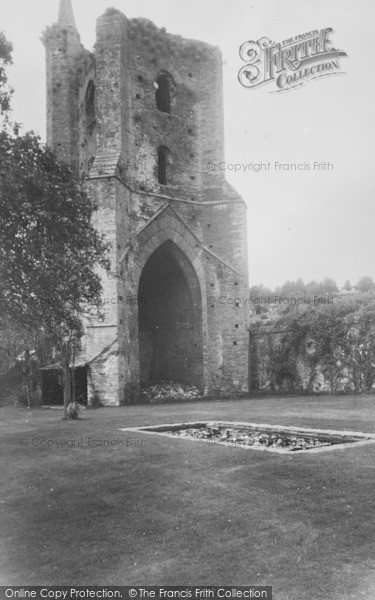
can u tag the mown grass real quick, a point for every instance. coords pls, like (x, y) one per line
(142, 510)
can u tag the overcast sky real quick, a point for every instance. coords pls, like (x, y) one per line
(306, 224)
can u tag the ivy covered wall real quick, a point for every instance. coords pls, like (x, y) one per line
(319, 349)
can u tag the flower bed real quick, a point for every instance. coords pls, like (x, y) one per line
(262, 437)
(256, 438)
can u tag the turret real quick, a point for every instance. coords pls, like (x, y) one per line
(66, 16)
(63, 52)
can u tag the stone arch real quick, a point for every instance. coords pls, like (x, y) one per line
(172, 318)
(163, 228)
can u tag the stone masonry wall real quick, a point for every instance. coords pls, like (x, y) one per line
(196, 210)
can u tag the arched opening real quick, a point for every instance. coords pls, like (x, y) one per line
(170, 319)
(163, 165)
(164, 92)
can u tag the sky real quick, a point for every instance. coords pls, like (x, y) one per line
(310, 224)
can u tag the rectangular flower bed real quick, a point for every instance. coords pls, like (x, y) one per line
(260, 437)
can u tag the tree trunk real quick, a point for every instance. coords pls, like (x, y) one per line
(27, 371)
(67, 387)
(72, 374)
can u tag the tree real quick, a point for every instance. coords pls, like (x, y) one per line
(22, 352)
(49, 250)
(5, 60)
(260, 290)
(347, 287)
(323, 289)
(313, 288)
(292, 289)
(329, 287)
(260, 298)
(365, 284)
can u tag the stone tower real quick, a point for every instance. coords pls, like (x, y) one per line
(141, 118)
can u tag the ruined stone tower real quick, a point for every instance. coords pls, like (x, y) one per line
(141, 118)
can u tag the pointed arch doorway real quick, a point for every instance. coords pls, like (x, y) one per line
(170, 319)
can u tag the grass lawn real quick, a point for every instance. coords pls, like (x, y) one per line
(151, 510)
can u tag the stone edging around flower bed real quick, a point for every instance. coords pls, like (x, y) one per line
(361, 438)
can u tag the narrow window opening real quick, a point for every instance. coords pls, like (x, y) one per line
(163, 165)
(163, 94)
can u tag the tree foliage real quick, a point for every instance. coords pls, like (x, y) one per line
(22, 352)
(291, 289)
(365, 284)
(298, 289)
(5, 60)
(49, 250)
(49, 247)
